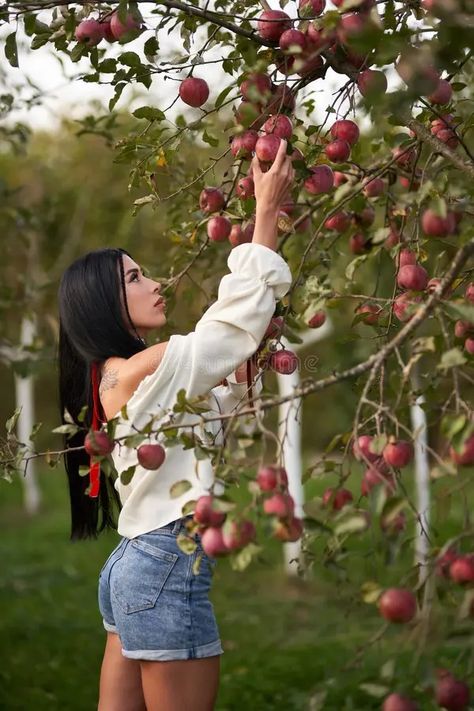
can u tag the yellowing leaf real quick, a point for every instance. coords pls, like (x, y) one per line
(160, 159)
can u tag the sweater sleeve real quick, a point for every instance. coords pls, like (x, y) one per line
(235, 394)
(232, 328)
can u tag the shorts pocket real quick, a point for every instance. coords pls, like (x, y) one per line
(140, 576)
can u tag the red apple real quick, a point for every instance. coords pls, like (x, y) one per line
(126, 30)
(361, 449)
(249, 115)
(434, 225)
(338, 499)
(469, 293)
(398, 453)
(281, 505)
(340, 178)
(272, 23)
(358, 243)
(442, 94)
(218, 228)
(89, 32)
(338, 151)
(339, 222)
(399, 702)
(267, 478)
(151, 456)
(469, 346)
(451, 694)
(282, 96)
(371, 313)
(311, 8)
(374, 476)
(443, 563)
(350, 26)
(283, 361)
(279, 125)
(372, 83)
(365, 217)
(97, 443)
(205, 514)
(290, 530)
(257, 88)
(267, 147)
(245, 188)
(412, 276)
(212, 540)
(466, 456)
(403, 303)
(107, 30)
(238, 533)
(274, 328)
(243, 144)
(345, 130)
(291, 40)
(309, 62)
(194, 91)
(321, 180)
(461, 570)
(397, 605)
(404, 156)
(317, 319)
(406, 257)
(374, 188)
(462, 328)
(211, 200)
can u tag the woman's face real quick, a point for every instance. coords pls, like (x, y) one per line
(142, 296)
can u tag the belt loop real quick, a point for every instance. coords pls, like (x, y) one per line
(177, 525)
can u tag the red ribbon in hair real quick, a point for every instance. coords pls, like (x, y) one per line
(94, 467)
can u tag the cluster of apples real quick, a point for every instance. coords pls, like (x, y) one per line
(91, 31)
(279, 504)
(396, 454)
(464, 330)
(451, 694)
(98, 443)
(456, 567)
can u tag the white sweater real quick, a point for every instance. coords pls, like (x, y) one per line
(228, 333)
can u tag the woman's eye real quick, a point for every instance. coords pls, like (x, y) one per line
(133, 277)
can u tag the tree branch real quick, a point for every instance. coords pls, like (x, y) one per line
(424, 135)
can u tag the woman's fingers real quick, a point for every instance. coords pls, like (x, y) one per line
(280, 156)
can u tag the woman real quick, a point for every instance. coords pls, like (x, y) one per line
(163, 649)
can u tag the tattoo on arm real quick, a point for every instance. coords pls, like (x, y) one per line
(109, 379)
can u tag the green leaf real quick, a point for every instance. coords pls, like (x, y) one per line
(150, 113)
(207, 138)
(118, 91)
(223, 95)
(66, 429)
(188, 507)
(375, 690)
(355, 264)
(40, 40)
(11, 51)
(452, 424)
(186, 543)
(244, 557)
(179, 488)
(378, 443)
(459, 310)
(107, 66)
(151, 48)
(451, 359)
(11, 422)
(84, 470)
(355, 523)
(130, 59)
(127, 475)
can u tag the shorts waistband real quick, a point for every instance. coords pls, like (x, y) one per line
(175, 526)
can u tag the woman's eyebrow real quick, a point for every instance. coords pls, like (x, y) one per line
(135, 269)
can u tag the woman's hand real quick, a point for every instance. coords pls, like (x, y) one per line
(272, 187)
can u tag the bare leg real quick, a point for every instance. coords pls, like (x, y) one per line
(187, 685)
(120, 680)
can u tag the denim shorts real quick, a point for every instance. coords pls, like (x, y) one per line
(150, 596)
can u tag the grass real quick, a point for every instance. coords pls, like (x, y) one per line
(286, 640)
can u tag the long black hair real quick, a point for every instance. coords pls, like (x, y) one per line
(91, 328)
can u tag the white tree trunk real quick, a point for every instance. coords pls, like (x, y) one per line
(422, 481)
(24, 394)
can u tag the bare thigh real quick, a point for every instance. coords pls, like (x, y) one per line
(120, 680)
(184, 685)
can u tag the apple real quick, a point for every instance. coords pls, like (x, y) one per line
(345, 130)
(97, 443)
(283, 361)
(272, 23)
(451, 694)
(408, 183)
(194, 91)
(449, 137)
(392, 525)
(338, 151)
(340, 178)
(398, 453)
(375, 475)
(374, 187)
(107, 30)
(406, 257)
(290, 530)
(212, 541)
(127, 30)
(245, 188)
(205, 514)
(404, 156)
(399, 702)
(469, 293)
(309, 62)
(403, 303)
(350, 26)
(321, 180)
(279, 504)
(237, 533)
(371, 313)
(243, 144)
(211, 200)
(393, 238)
(218, 228)
(397, 605)
(338, 499)
(461, 570)
(151, 456)
(311, 8)
(442, 94)
(462, 328)
(317, 319)
(443, 563)
(274, 328)
(257, 87)
(89, 32)
(365, 217)
(266, 147)
(249, 115)
(339, 222)
(358, 243)
(372, 83)
(466, 456)
(469, 346)
(279, 125)
(412, 276)
(267, 478)
(434, 225)
(361, 449)
(291, 40)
